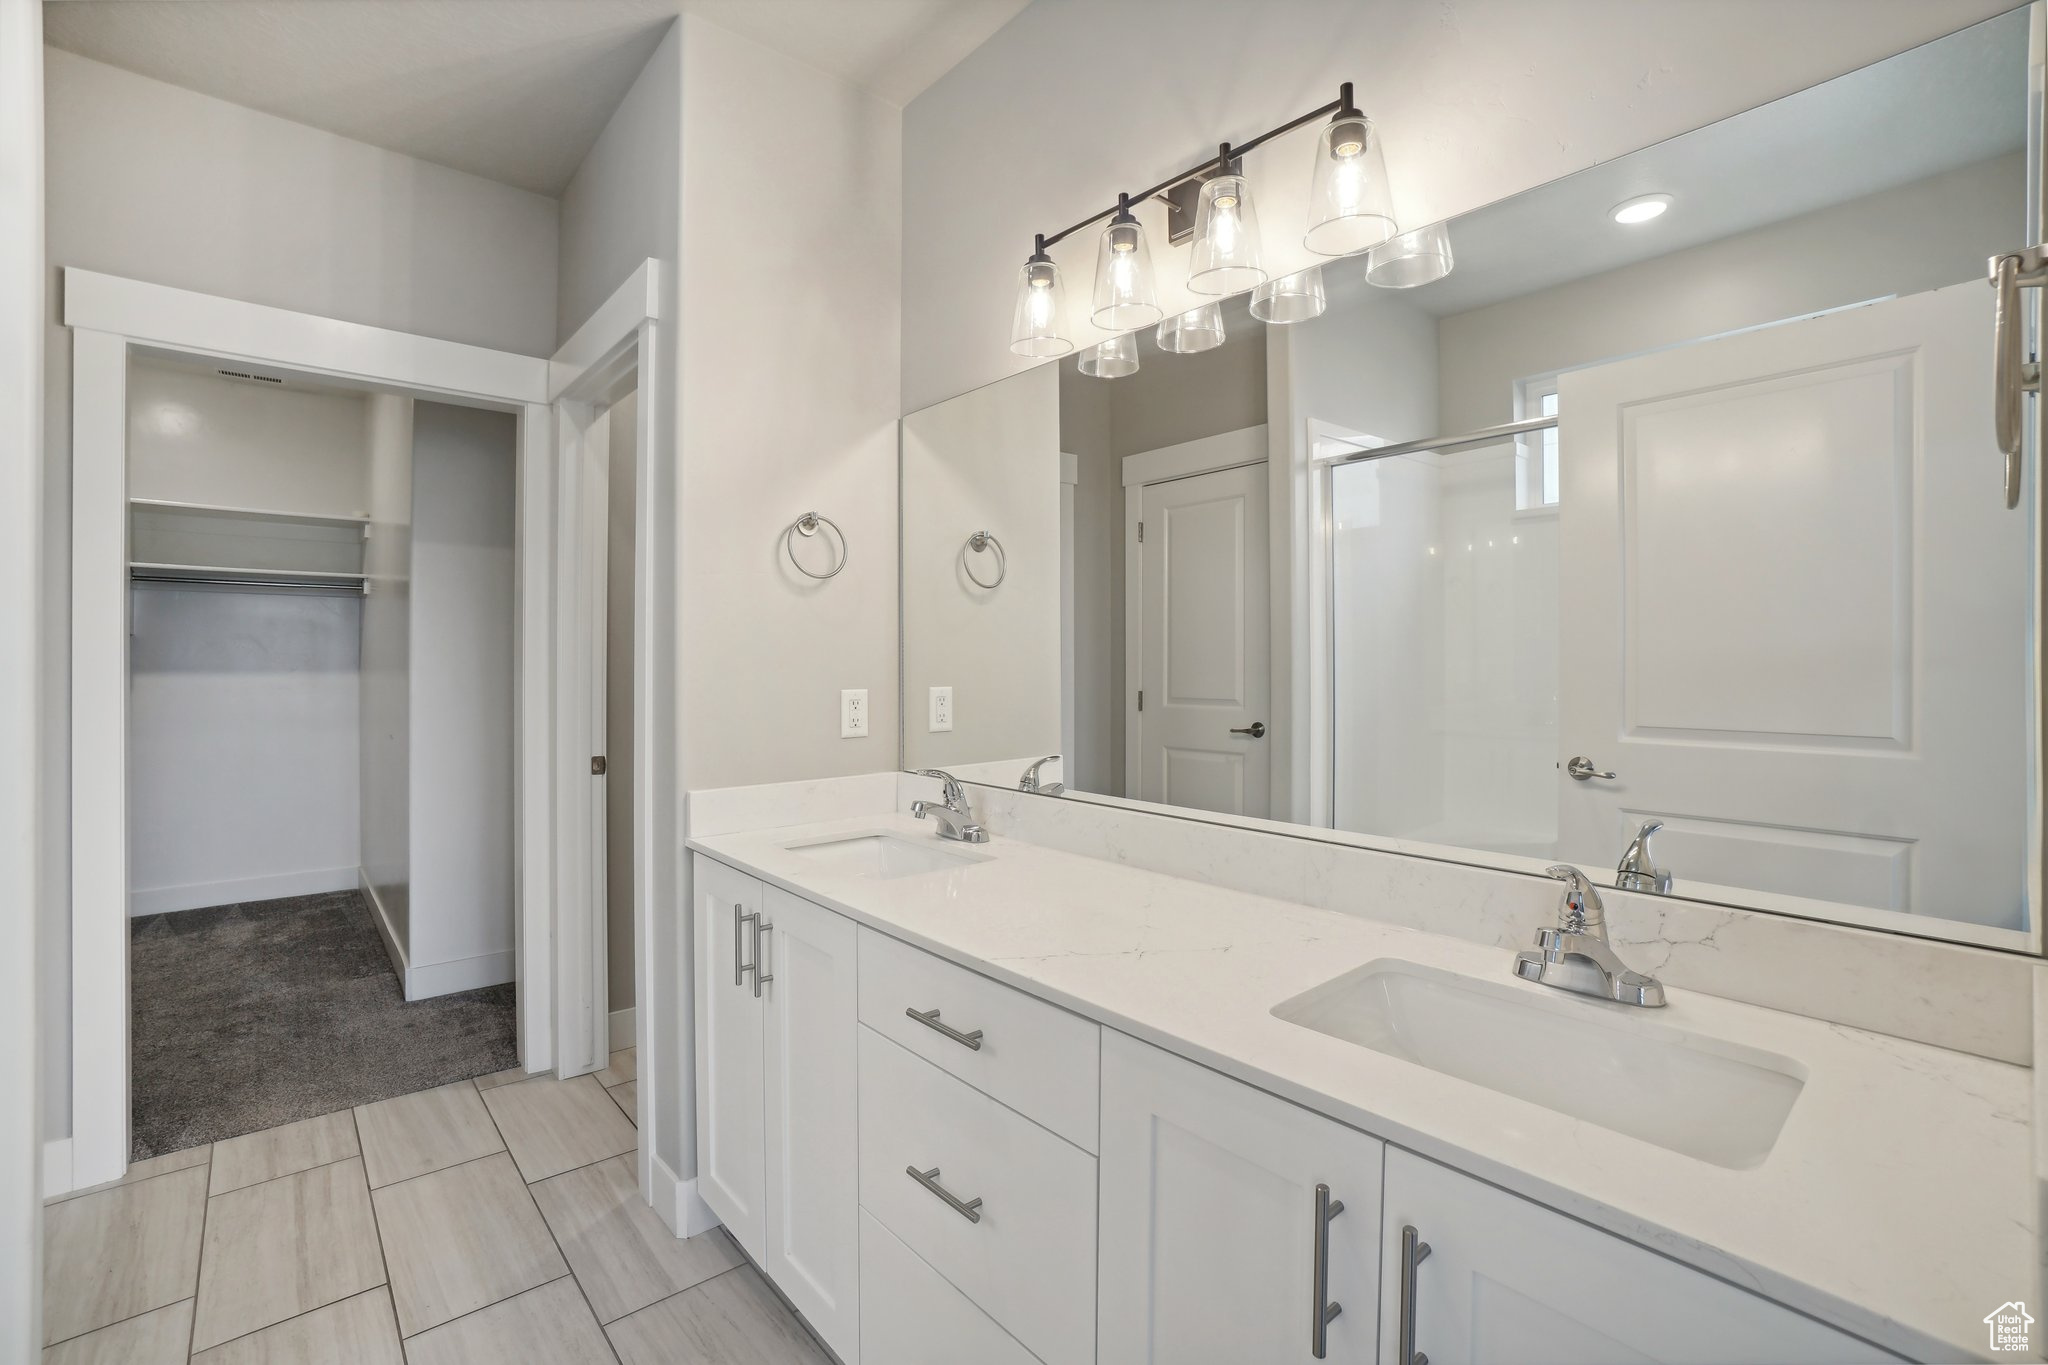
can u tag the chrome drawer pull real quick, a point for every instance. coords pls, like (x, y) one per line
(761, 978)
(740, 965)
(1414, 1251)
(930, 1019)
(1322, 1310)
(970, 1210)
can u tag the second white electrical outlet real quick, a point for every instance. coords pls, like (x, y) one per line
(853, 712)
(941, 709)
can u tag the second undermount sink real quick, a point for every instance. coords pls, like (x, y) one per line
(1717, 1101)
(880, 856)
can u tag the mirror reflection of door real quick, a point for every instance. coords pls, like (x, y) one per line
(1828, 701)
(1200, 730)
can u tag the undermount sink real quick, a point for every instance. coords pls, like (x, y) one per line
(880, 856)
(1699, 1096)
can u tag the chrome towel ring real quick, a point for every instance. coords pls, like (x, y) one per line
(807, 526)
(978, 542)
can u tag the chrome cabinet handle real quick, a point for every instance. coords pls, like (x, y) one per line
(1414, 1251)
(2011, 374)
(968, 1209)
(1580, 768)
(1322, 1311)
(1257, 729)
(740, 966)
(930, 1019)
(761, 978)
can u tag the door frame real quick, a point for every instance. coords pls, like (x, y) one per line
(110, 318)
(1207, 455)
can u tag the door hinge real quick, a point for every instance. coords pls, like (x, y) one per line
(1141, 533)
(597, 765)
(1141, 699)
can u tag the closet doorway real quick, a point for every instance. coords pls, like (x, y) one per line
(259, 618)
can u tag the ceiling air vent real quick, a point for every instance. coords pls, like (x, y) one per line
(241, 374)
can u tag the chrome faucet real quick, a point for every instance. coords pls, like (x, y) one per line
(1638, 870)
(1030, 783)
(954, 816)
(1576, 956)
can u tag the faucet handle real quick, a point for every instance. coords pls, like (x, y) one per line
(1638, 870)
(1029, 782)
(1580, 912)
(951, 793)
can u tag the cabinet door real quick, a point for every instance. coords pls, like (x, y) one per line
(1509, 1280)
(807, 960)
(1209, 1219)
(731, 1121)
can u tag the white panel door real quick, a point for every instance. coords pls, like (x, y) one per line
(1508, 1280)
(1208, 1225)
(1794, 613)
(1203, 612)
(732, 1134)
(807, 967)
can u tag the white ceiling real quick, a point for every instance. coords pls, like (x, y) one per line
(513, 90)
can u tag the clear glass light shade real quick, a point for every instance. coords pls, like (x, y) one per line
(1035, 327)
(1124, 293)
(1113, 359)
(1226, 257)
(1349, 205)
(1418, 257)
(1293, 298)
(1198, 329)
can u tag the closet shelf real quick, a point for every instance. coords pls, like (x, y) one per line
(256, 514)
(199, 575)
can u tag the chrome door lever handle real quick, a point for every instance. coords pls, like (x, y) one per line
(1257, 729)
(1581, 769)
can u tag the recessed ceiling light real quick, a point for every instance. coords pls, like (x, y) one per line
(1641, 209)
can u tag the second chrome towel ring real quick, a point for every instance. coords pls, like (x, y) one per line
(807, 526)
(979, 542)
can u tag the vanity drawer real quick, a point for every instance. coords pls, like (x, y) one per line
(1037, 1058)
(1027, 1256)
(909, 1315)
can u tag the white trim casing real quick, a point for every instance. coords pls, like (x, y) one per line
(678, 1203)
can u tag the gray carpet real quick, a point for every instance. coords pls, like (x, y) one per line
(248, 1016)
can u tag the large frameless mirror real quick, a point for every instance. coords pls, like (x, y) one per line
(1650, 520)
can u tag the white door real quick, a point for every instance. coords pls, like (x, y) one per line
(732, 1132)
(1209, 1220)
(1202, 711)
(813, 1135)
(1508, 1280)
(1794, 613)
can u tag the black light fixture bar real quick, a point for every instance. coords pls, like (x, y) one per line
(1225, 154)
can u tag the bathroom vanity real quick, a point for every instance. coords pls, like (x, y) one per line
(1004, 1103)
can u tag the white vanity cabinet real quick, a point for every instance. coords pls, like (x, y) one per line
(1507, 1279)
(1213, 1250)
(778, 1120)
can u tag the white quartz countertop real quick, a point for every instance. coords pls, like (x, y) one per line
(1897, 1203)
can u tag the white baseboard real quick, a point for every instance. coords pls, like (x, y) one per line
(622, 1028)
(382, 919)
(56, 1167)
(680, 1206)
(427, 979)
(158, 900)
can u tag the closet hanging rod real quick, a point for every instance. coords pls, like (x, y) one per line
(353, 588)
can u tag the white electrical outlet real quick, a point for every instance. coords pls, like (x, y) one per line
(853, 713)
(941, 709)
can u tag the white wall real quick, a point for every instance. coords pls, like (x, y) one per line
(463, 482)
(385, 687)
(987, 460)
(1097, 761)
(242, 768)
(158, 183)
(1478, 99)
(194, 436)
(21, 311)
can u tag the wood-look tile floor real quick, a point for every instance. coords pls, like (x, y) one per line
(490, 1222)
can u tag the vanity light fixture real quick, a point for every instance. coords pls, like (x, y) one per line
(1041, 308)
(1349, 206)
(1198, 329)
(1350, 213)
(1413, 258)
(1292, 298)
(1124, 294)
(1640, 209)
(1113, 359)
